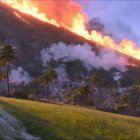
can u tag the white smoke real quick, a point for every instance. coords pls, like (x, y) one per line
(62, 75)
(106, 58)
(19, 75)
(117, 76)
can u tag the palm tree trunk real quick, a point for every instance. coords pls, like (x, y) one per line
(85, 99)
(73, 99)
(41, 94)
(52, 90)
(7, 76)
(47, 94)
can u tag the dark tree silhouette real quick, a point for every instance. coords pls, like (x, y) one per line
(7, 54)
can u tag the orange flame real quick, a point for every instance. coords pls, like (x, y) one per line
(72, 18)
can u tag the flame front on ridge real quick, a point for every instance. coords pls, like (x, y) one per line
(69, 15)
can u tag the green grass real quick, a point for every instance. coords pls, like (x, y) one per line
(1, 137)
(51, 121)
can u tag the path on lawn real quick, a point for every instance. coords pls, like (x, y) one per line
(11, 128)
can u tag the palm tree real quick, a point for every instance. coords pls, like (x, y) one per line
(52, 74)
(2, 76)
(45, 79)
(96, 84)
(48, 78)
(96, 81)
(84, 91)
(7, 54)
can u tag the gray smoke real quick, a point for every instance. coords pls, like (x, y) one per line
(106, 58)
(62, 75)
(19, 75)
(117, 29)
(95, 24)
(120, 30)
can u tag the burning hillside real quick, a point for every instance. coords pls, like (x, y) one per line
(30, 35)
(72, 18)
(38, 43)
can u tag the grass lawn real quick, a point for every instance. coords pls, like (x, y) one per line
(1, 138)
(51, 121)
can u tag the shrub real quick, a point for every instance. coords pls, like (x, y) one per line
(18, 94)
(120, 107)
(90, 102)
(32, 97)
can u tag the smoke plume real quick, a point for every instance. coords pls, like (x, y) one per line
(19, 75)
(62, 75)
(119, 30)
(95, 24)
(106, 58)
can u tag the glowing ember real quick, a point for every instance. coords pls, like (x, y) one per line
(13, 81)
(72, 18)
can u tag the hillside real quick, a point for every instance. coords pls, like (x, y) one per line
(52, 121)
(30, 35)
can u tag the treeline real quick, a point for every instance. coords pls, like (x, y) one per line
(97, 90)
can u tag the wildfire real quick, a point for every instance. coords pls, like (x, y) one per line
(13, 81)
(69, 15)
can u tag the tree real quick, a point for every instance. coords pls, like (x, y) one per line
(34, 87)
(7, 54)
(76, 98)
(53, 75)
(84, 91)
(45, 79)
(96, 81)
(48, 78)
(131, 98)
(96, 85)
(2, 76)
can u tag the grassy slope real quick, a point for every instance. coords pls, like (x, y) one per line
(51, 121)
(1, 138)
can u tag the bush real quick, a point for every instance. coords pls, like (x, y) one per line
(120, 107)
(32, 97)
(18, 94)
(90, 102)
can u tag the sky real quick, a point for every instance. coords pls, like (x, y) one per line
(120, 17)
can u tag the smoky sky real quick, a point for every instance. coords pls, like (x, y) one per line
(119, 17)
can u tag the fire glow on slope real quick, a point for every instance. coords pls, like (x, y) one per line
(69, 15)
